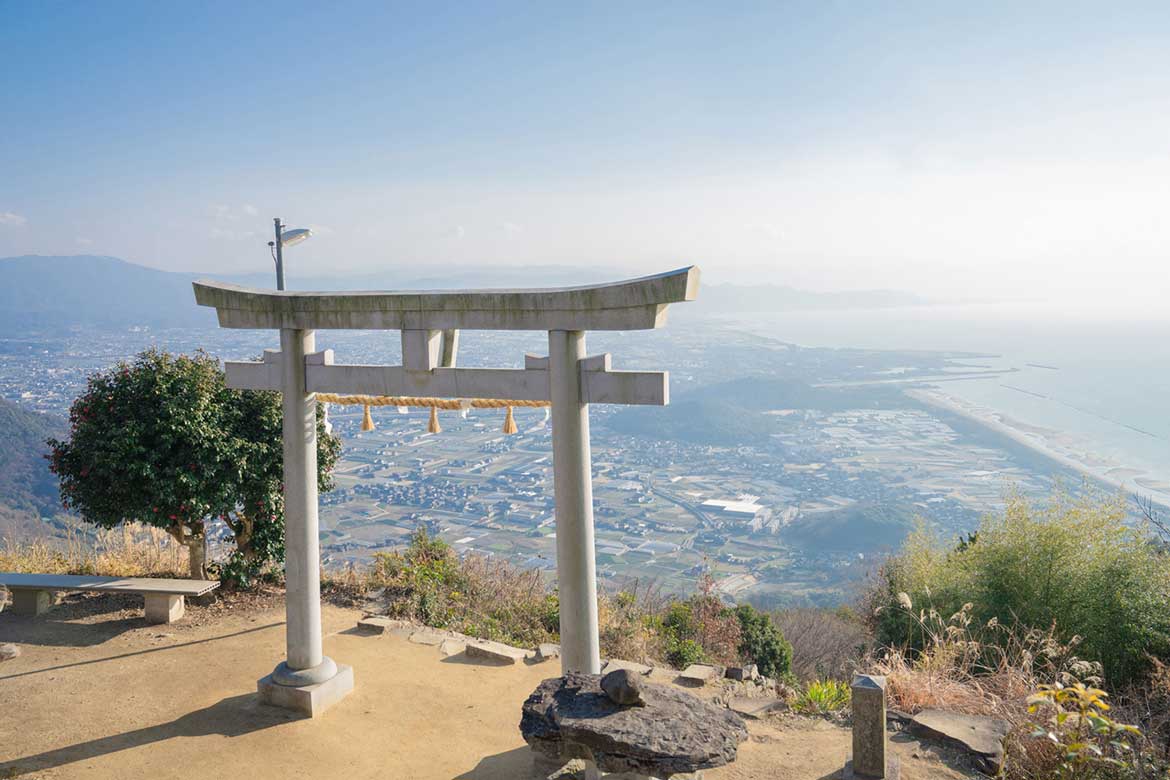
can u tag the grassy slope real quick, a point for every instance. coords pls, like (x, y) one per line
(27, 487)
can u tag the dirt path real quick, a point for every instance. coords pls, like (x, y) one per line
(102, 695)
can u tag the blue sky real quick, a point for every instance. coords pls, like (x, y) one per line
(953, 149)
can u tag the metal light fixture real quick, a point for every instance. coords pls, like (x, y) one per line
(285, 238)
(295, 236)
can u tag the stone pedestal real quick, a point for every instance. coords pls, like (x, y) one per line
(164, 608)
(870, 760)
(310, 700)
(31, 602)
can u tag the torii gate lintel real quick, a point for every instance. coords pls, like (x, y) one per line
(429, 322)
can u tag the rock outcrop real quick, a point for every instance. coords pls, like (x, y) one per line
(674, 733)
(980, 736)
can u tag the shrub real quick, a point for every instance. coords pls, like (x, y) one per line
(1000, 670)
(762, 643)
(700, 629)
(1088, 742)
(822, 697)
(678, 631)
(629, 621)
(681, 653)
(1071, 564)
(476, 595)
(162, 441)
(976, 668)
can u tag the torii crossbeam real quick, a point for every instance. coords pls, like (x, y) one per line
(430, 322)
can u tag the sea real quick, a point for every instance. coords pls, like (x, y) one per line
(1100, 378)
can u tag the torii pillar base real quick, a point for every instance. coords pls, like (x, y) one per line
(308, 700)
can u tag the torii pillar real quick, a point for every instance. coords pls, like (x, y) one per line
(309, 681)
(573, 485)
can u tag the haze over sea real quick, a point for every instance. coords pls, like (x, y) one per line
(1099, 383)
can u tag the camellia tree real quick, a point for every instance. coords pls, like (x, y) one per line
(164, 441)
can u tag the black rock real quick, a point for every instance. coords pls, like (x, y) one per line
(623, 687)
(675, 732)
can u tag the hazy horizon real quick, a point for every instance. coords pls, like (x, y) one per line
(991, 153)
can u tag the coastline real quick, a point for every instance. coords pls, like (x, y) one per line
(1035, 439)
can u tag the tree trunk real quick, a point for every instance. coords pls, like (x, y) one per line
(192, 537)
(242, 531)
(197, 557)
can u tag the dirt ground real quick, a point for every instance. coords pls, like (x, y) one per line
(97, 693)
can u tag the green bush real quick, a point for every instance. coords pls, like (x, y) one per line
(163, 442)
(475, 595)
(681, 653)
(679, 632)
(1070, 563)
(699, 629)
(821, 697)
(762, 643)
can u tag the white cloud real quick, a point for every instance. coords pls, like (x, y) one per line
(224, 213)
(231, 235)
(12, 220)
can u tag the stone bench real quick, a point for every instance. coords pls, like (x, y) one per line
(32, 593)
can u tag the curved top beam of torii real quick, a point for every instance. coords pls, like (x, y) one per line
(634, 304)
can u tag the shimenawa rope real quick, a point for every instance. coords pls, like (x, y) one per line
(435, 404)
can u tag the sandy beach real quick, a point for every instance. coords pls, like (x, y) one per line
(1046, 443)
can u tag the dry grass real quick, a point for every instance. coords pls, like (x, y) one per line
(964, 668)
(995, 670)
(474, 595)
(626, 622)
(131, 550)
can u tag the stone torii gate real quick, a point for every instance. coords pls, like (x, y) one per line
(430, 322)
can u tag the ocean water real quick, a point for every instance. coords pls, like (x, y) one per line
(1107, 385)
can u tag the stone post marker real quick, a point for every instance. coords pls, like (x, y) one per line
(871, 760)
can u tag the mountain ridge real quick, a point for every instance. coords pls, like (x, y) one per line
(44, 292)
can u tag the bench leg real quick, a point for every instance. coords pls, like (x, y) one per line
(163, 608)
(31, 602)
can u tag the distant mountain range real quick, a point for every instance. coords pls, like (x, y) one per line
(48, 292)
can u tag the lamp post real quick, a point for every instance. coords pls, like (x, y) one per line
(284, 238)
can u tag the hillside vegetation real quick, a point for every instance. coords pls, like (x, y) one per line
(28, 490)
(1034, 619)
(1072, 564)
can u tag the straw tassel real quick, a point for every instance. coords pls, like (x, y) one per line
(434, 426)
(510, 423)
(367, 420)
